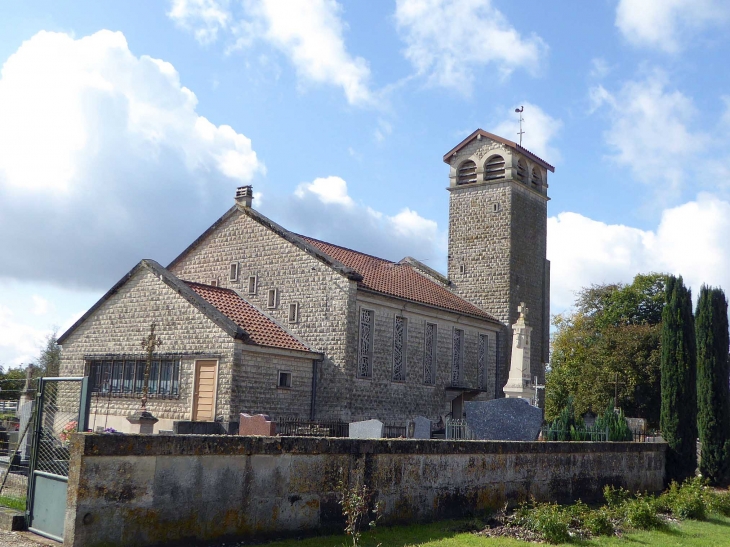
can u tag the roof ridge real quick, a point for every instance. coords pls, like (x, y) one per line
(346, 248)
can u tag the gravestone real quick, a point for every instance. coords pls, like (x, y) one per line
(257, 424)
(421, 428)
(368, 429)
(503, 420)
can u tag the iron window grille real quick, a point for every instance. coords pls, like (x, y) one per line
(118, 377)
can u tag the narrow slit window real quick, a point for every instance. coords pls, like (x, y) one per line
(234, 271)
(462, 268)
(293, 312)
(252, 284)
(271, 299)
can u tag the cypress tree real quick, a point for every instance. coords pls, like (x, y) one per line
(713, 406)
(678, 418)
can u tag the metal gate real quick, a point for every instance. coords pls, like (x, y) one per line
(63, 408)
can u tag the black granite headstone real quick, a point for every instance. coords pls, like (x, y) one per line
(503, 420)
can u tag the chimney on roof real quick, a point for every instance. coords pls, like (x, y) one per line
(244, 195)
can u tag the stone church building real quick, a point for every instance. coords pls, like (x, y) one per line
(254, 318)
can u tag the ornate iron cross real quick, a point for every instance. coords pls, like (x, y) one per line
(149, 343)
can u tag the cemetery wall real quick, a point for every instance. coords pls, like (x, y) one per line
(151, 490)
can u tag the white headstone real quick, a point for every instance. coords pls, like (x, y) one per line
(519, 383)
(368, 429)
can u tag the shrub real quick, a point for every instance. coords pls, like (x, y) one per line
(599, 523)
(548, 520)
(719, 503)
(551, 522)
(615, 496)
(688, 501)
(640, 514)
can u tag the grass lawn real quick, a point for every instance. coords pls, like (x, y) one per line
(714, 532)
(13, 502)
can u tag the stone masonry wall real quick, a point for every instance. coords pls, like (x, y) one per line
(400, 401)
(529, 242)
(326, 298)
(255, 384)
(118, 326)
(175, 490)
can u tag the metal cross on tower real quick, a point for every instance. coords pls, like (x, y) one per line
(149, 343)
(520, 110)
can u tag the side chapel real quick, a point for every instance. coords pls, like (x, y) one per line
(257, 319)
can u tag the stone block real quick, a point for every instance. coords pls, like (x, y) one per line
(503, 420)
(368, 429)
(257, 424)
(421, 428)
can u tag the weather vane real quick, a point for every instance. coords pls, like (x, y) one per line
(520, 110)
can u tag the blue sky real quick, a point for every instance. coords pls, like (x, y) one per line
(126, 127)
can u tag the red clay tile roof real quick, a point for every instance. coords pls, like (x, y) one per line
(397, 279)
(262, 330)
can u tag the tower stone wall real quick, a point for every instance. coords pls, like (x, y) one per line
(497, 245)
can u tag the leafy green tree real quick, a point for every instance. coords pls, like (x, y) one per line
(679, 381)
(614, 330)
(713, 404)
(49, 361)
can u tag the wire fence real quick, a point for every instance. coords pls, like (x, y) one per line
(17, 407)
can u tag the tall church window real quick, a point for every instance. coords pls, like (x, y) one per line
(494, 168)
(429, 354)
(400, 338)
(457, 359)
(536, 179)
(365, 346)
(521, 170)
(467, 173)
(482, 352)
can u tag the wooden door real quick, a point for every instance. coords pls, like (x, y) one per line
(204, 396)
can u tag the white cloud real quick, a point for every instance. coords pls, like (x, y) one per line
(204, 18)
(540, 130)
(383, 130)
(322, 208)
(449, 40)
(19, 342)
(599, 68)
(651, 130)
(667, 25)
(41, 306)
(689, 241)
(93, 139)
(327, 189)
(310, 34)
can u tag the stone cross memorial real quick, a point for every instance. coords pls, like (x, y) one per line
(519, 383)
(369, 429)
(503, 420)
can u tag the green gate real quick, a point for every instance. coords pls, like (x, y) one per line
(63, 408)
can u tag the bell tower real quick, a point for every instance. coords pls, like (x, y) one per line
(497, 239)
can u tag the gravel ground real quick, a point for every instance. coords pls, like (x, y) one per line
(24, 539)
